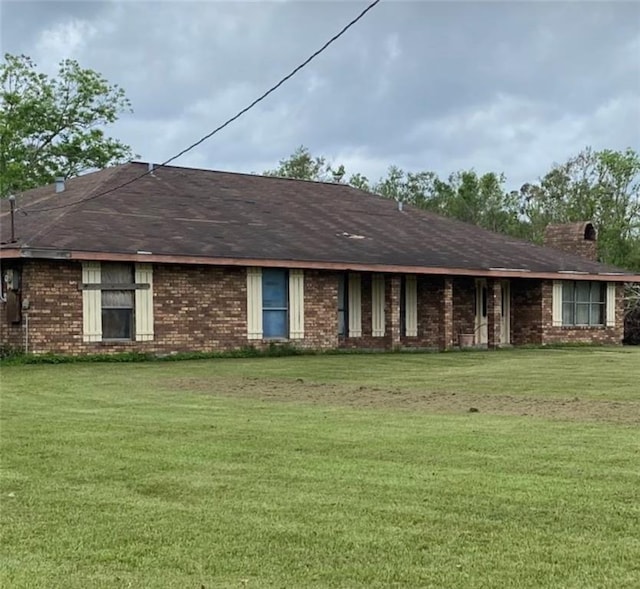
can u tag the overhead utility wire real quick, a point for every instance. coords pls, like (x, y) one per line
(223, 125)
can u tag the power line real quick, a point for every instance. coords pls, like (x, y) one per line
(223, 125)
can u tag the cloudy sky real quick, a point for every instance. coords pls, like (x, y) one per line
(497, 86)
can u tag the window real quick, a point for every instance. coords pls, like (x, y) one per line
(343, 306)
(117, 301)
(583, 303)
(275, 296)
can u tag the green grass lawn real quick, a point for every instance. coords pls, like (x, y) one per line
(324, 471)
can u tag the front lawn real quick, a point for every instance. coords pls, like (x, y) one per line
(508, 469)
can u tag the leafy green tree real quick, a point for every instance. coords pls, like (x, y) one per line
(408, 187)
(54, 126)
(600, 186)
(357, 180)
(465, 195)
(301, 165)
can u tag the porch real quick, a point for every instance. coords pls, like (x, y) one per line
(441, 312)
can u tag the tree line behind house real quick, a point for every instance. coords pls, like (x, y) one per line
(600, 186)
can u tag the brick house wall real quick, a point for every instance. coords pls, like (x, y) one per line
(201, 308)
(204, 308)
(579, 239)
(526, 312)
(430, 291)
(464, 317)
(580, 335)
(320, 310)
(367, 341)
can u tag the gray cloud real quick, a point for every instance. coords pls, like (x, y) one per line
(501, 86)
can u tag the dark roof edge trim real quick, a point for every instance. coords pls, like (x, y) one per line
(314, 265)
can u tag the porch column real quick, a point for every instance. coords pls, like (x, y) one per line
(446, 317)
(395, 311)
(494, 313)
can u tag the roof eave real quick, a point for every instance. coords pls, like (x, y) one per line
(59, 254)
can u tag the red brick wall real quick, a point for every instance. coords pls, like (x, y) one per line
(576, 238)
(196, 308)
(320, 310)
(203, 308)
(526, 312)
(430, 291)
(580, 335)
(464, 316)
(367, 341)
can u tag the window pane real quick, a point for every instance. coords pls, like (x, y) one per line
(341, 322)
(342, 305)
(117, 298)
(117, 323)
(341, 293)
(568, 292)
(583, 292)
(597, 314)
(274, 289)
(274, 323)
(485, 295)
(568, 317)
(582, 313)
(598, 292)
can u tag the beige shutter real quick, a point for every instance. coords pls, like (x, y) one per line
(377, 305)
(556, 303)
(296, 304)
(355, 305)
(611, 304)
(91, 303)
(411, 306)
(144, 303)
(254, 303)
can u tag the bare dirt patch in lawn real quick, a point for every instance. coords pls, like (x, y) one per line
(300, 391)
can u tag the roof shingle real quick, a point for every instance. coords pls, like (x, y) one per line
(200, 213)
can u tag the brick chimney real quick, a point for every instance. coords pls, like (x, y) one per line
(579, 239)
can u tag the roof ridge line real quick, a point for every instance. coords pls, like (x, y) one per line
(250, 174)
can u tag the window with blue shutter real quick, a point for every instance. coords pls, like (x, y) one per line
(275, 303)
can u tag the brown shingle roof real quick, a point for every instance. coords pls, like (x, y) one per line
(201, 213)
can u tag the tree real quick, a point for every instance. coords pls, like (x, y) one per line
(301, 165)
(599, 186)
(465, 196)
(54, 126)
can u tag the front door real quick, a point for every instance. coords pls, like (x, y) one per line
(481, 329)
(505, 323)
